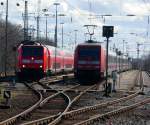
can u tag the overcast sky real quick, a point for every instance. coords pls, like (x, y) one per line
(84, 12)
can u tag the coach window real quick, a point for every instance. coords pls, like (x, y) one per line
(57, 65)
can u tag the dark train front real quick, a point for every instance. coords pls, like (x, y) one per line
(30, 61)
(89, 62)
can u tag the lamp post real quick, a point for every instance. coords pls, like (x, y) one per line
(6, 35)
(6, 30)
(123, 56)
(56, 4)
(46, 15)
(25, 15)
(6, 39)
(62, 29)
(138, 57)
(119, 54)
(75, 41)
(116, 58)
(62, 35)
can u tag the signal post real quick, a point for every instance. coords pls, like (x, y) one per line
(108, 32)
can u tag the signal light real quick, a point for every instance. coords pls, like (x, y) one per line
(23, 66)
(108, 31)
(41, 66)
(2, 3)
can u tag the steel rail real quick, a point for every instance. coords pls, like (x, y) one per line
(13, 119)
(50, 97)
(98, 106)
(55, 79)
(114, 112)
(57, 120)
(51, 118)
(102, 105)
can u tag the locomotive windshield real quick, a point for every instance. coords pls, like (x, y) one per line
(89, 53)
(32, 51)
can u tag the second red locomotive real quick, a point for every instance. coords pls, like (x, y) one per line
(90, 64)
(89, 61)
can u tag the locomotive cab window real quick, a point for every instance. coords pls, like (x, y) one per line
(90, 53)
(32, 51)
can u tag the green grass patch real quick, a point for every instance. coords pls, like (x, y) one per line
(1, 94)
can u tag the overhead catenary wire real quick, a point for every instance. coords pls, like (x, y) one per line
(147, 4)
(79, 12)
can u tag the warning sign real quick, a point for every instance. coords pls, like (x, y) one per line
(7, 94)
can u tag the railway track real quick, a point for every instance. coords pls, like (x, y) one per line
(47, 112)
(55, 79)
(91, 114)
(35, 111)
(113, 113)
(54, 119)
(23, 113)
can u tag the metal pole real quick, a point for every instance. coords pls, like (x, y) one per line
(26, 21)
(138, 50)
(75, 37)
(56, 24)
(62, 42)
(46, 15)
(62, 34)
(56, 40)
(38, 20)
(56, 4)
(106, 84)
(123, 47)
(123, 56)
(6, 30)
(46, 28)
(116, 61)
(119, 70)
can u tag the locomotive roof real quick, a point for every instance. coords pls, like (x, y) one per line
(32, 43)
(50, 48)
(89, 44)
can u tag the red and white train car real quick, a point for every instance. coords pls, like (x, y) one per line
(90, 62)
(36, 60)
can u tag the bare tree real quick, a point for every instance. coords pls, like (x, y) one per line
(15, 36)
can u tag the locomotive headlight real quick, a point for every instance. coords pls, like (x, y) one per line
(41, 66)
(23, 66)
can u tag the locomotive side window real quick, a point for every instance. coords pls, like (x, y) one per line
(68, 66)
(92, 53)
(32, 51)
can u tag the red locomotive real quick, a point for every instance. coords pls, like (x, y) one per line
(90, 64)
(36, 60)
